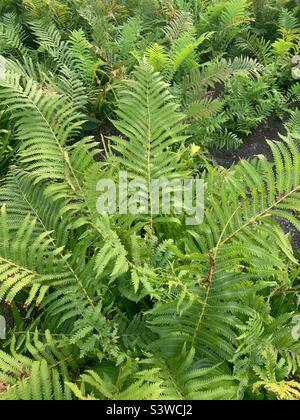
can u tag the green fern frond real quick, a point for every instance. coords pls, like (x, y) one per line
(84, 61)
(219, 71)
(285, 390)
(235, 13)
(12, 36)
(55, 121)
(205, 108)
(181, 23)
(57, 10)
(257, 46)
(180, 378)
(23, 379)
(288, 24)
(152, 132)
(158, 58)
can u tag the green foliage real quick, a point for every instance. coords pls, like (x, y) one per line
(120, 306)
(152, 131)
(252, 100)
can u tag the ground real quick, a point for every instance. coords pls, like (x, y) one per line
(256, 144)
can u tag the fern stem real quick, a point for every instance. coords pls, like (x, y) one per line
(213, 258)
(149, 158)
(261, 214)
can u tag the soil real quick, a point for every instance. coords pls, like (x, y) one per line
(109, 130)
(287, 227)
(254, 144)
(106, 130)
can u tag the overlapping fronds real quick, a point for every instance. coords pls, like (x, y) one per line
(128, 301)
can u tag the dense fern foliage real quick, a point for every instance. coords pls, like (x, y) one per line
(143, 306)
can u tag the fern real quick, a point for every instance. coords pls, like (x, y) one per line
(222, 282)
(235, 13)
(207, 113)
(289, 25)
(40, 378)
(181, 23)
(257, 46)
(182, 54)
(141, 306)
(285, 390)
(12, 36)
(57, 10)
(228, 19)
(190, 381)
(54, 128)
(75, 58)
(148, 152)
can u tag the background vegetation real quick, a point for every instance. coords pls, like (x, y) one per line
(132, 307)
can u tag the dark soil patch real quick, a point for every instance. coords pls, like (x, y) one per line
(288, 227)
(217, 91)
(101, 133)
(109, 130)
(254, 144)
(106, 131)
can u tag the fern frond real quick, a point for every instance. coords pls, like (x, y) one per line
(219, 71)
(236, 13)
(57, 10)
(285, 390)
(55, 120)
(151, 132)
(12, 36)
(238, 240)
(257, 46)
(24, 379)
(181, 23)
(289, 25)
(179, 378)
(158, 58)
